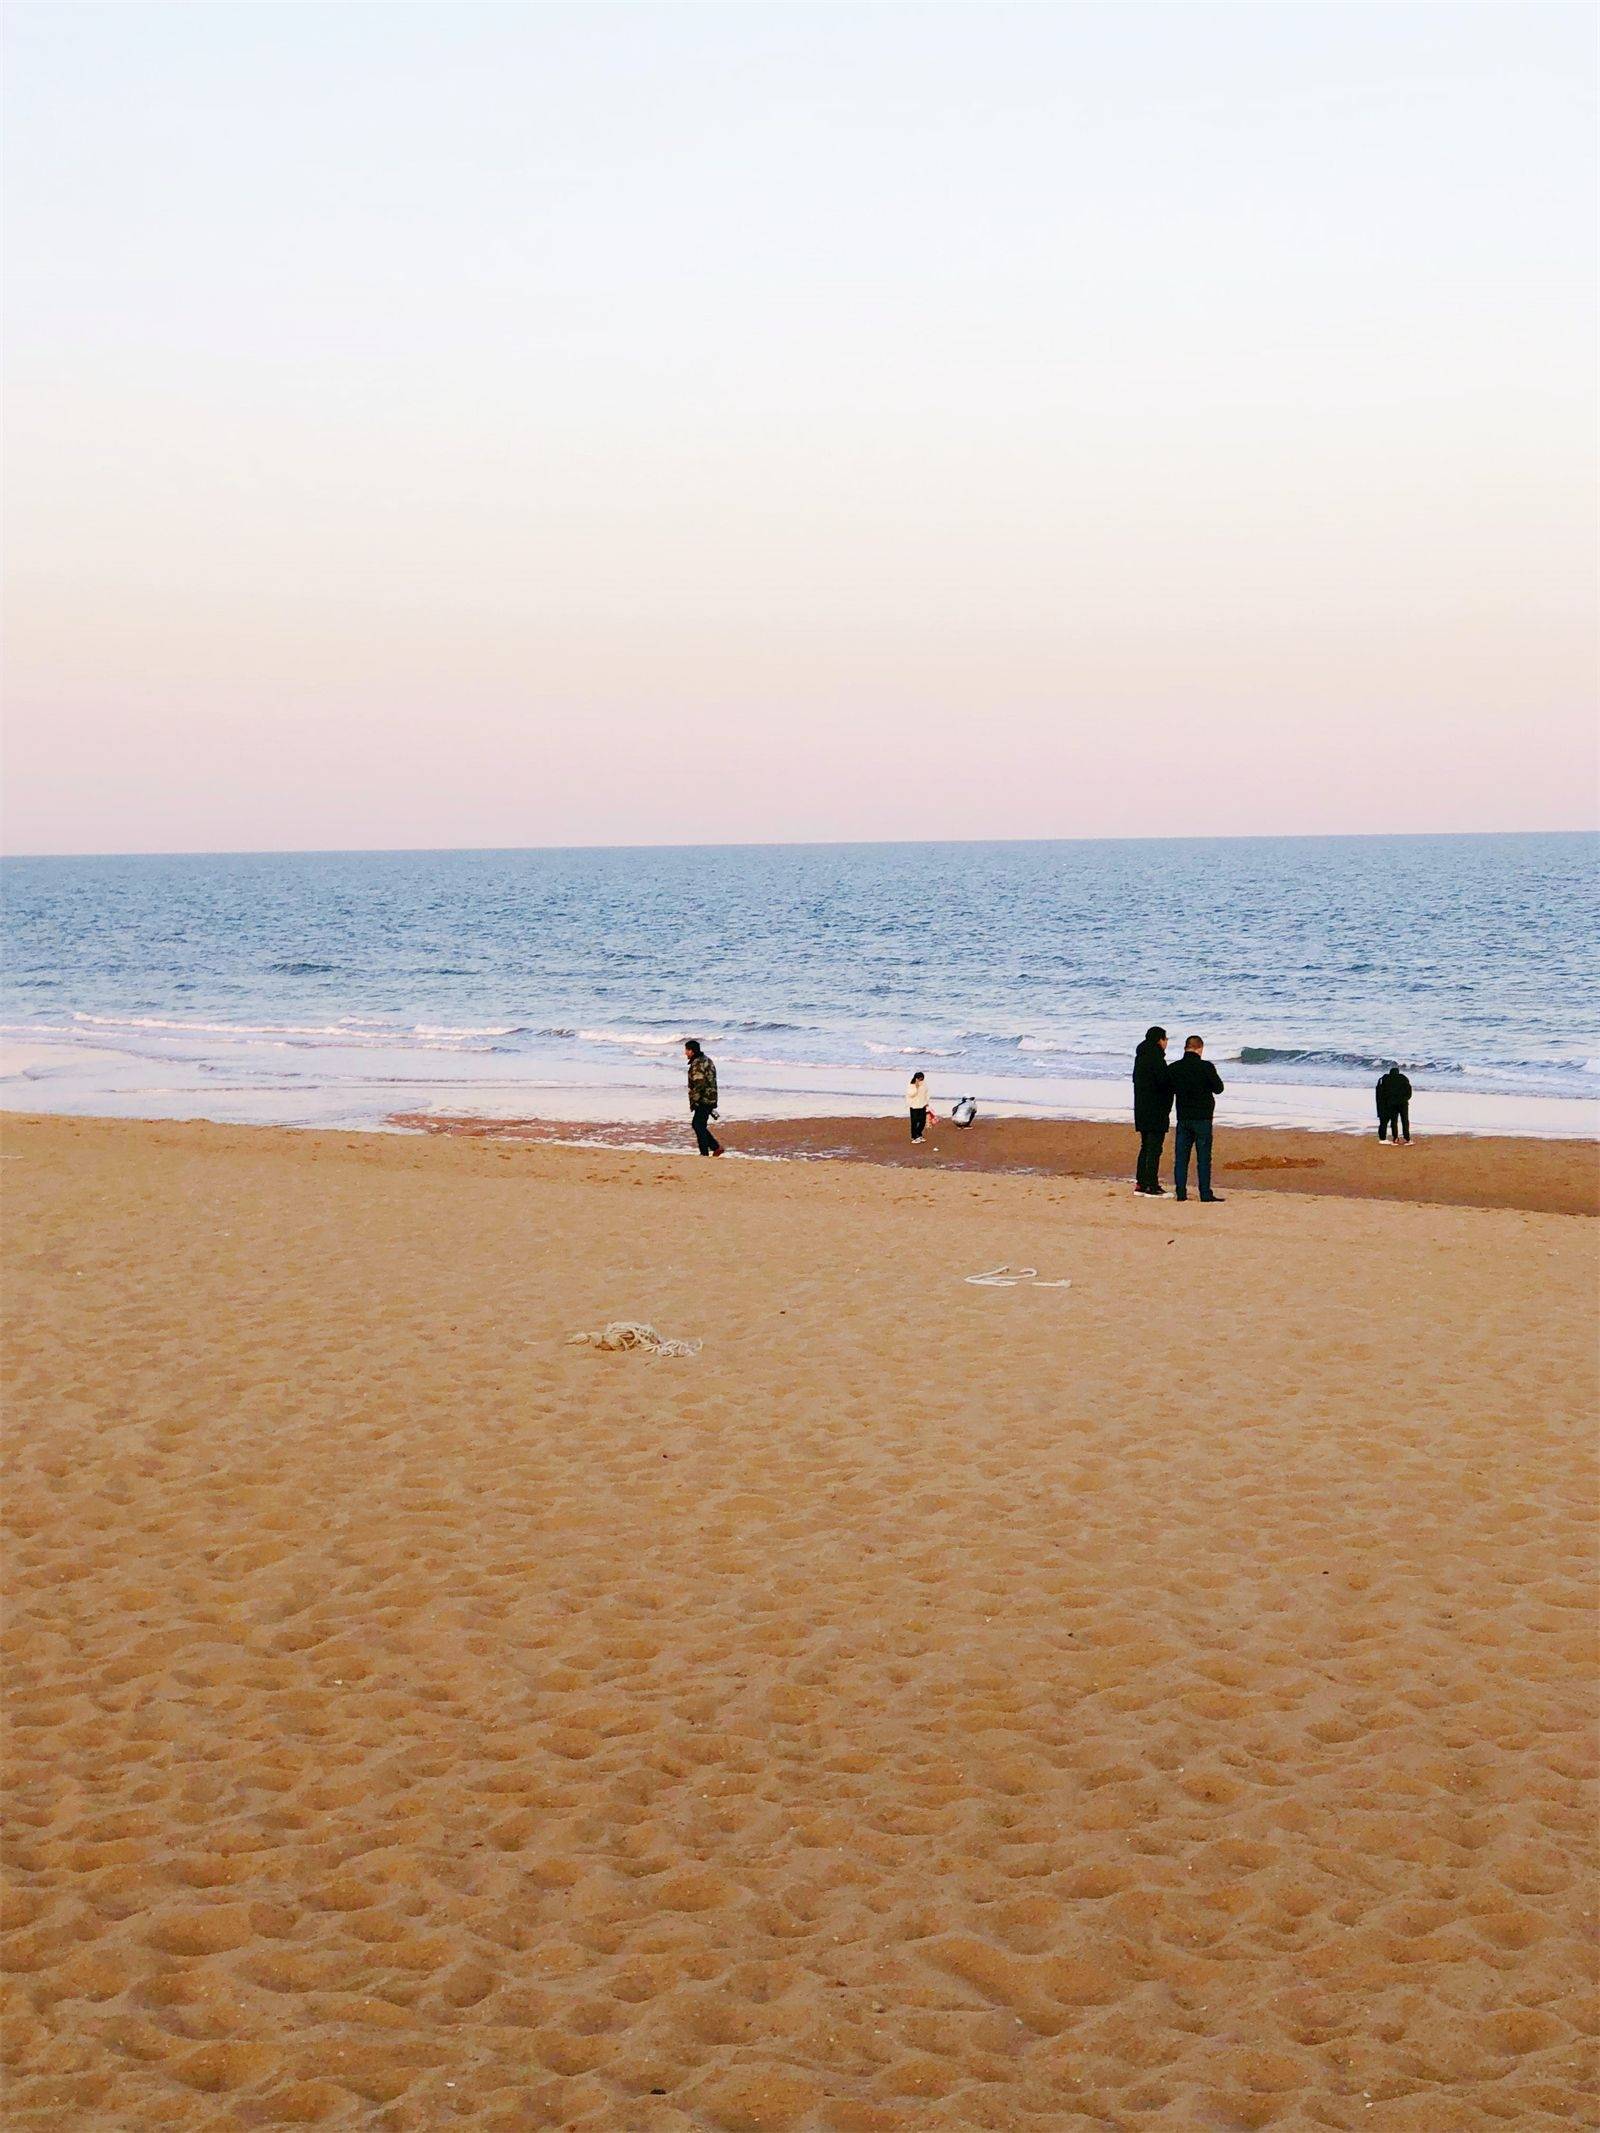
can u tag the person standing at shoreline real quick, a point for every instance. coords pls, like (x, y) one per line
(702, 1096)
(1394, 1104)
(917, 1104)
(1152, 1108)
(1196, 1085)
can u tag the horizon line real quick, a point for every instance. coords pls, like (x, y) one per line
(777, 844)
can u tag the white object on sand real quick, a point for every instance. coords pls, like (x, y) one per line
(1011, 1277)
(623, 1333)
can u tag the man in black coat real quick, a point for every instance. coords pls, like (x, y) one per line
(1196, 1085)
(1394, 1105)
(1152, 1108)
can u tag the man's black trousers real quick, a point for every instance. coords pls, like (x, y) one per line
(1151, 1142)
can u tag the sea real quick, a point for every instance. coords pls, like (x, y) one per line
(342, 989)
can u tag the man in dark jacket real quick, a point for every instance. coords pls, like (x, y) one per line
(1196, 1085)
(1394, 1105)
(1152, 1108)
(702, 1096)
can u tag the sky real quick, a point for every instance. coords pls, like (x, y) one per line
(502, 425)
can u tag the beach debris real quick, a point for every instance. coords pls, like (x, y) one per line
(1012, 1277)
(623, 1333)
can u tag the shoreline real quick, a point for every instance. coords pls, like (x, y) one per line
(337, 1087)
(1534, 1175)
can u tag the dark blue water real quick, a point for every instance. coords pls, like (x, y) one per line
(1302, 960)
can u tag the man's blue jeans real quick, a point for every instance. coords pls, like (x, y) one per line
(1192, 1133)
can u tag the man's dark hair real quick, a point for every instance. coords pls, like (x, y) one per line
(1194, 1044)
(692, 1044)
(1154, 1033)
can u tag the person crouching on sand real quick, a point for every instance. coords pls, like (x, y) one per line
(1196, 1085)
(1152, 1107)
(917, 1104)
(702, 1096)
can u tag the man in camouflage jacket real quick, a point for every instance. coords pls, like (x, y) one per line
(702, 1096)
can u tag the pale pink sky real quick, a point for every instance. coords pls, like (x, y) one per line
(497, 425)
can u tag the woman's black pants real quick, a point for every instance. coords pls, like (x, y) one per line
(919, 1121)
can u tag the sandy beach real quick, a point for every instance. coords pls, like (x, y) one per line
(1164, 1701)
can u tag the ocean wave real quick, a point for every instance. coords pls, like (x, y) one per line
(465, 1029)
(166, 1025)
(1524, 1072)
(1313, 1055)
(649, 1038)
(293, 969)
(1520, 1069)
(364, 1031)
(1021, 1041)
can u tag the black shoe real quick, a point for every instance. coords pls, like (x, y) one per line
(1180, 1196)
(1212, 1199)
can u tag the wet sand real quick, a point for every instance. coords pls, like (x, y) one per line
(1438, 1170)
(1161, 1702)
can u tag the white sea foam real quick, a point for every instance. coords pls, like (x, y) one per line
(650, 1040)
(466, 1029)
(364, 1030)
(167, 1026)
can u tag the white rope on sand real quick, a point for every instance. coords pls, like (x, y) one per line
(623, 1333)
(1012, 1277)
